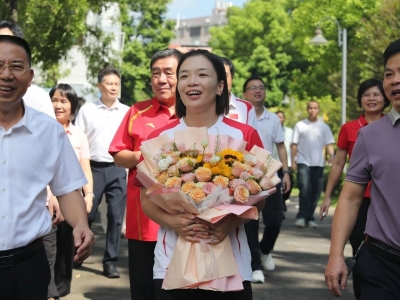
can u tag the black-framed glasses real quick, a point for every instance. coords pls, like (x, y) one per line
(254, 88)
(15, 68)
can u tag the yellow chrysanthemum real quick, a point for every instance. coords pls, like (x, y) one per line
(230, 155)
(199, 159)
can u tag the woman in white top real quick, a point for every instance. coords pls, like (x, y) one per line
(61, 249)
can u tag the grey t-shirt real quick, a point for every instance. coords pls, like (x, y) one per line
(376, 157)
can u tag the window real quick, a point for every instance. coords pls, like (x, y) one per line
(195, 31)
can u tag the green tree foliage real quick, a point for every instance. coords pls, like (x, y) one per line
(146, 32)
(257, 39)
(52, 27)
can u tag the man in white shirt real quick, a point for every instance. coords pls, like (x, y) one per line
(100, 121)
(271, 133)
(310, 136)
(239, 109)
(35, 152)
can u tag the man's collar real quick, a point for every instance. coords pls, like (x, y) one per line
(265, 114)
(394, 115)
(232, 100)
(116, 104)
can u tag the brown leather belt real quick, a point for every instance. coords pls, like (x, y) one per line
(382, 249)
(9, 258)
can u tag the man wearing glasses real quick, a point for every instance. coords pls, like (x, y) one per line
(271, 132)
(24, 175)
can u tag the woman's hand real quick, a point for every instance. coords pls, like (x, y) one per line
(217, 232)
(186, 226)
(89, 202)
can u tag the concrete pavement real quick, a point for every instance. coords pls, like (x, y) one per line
(300, 257)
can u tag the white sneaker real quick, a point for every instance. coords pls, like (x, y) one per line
(258, 276)
(267, 262)
(312, 224)
(300, 223)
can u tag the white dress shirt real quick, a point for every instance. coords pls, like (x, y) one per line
(100, 124)
(34, 153)
(39, 99)
(242, 111)
(270, 130)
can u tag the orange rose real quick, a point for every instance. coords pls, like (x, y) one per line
(188, 186)
(221, 180)
(252, 186)
(197, 195)
(238, 168)
(203, 174)
(163, 177)
(241, 194)
(173, 182)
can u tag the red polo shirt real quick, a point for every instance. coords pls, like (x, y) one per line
(141, 119)
(347, 138)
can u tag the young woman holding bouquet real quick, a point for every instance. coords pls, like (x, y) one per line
(201, 101)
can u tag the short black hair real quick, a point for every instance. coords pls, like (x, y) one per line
(280, 112)
(11, 39)
(14, 27)
(392, 49)
(68, 92)
(369, 83)
(229, 63)
(165, 54)
(107, 71)
(222, 107)
(250, 79)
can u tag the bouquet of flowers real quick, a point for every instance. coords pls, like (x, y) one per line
(210, 176)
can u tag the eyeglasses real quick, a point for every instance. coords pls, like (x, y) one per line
(374, 95)
(15, 68)
(255, 88)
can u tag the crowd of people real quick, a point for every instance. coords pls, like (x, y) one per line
(77, 155)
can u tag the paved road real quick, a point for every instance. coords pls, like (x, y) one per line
(300, 256)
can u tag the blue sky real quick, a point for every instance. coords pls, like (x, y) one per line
(195, 8)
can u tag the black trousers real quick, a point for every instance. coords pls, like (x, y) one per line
(379, 277)
(141, 262)
(110, 180)
(197, 294)
(356, 238)
(28, 279)
(60, 251)
(273, 215)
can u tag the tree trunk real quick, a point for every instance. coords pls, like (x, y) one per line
(12, 6)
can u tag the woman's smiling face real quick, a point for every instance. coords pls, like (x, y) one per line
(198, 84)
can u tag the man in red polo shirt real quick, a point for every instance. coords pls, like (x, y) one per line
(142, 118)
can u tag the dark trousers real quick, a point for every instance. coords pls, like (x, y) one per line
(273, 215)
(310, 181)
(50, 246)
(197, 294)
(356, 237)
(60, 251)
(379, 277)
(286, 196)
(28, 279)
(141, 262)
(110, 180)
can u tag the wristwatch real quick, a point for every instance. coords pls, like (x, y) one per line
(286, 171)
(89, 193)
